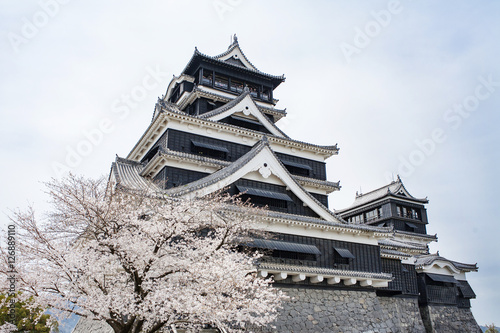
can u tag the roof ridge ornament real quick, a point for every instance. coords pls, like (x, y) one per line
(234, 41)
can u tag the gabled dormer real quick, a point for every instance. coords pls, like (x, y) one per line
(234, 55)
(244, 112)
(260, 176)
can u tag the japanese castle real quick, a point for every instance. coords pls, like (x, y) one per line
(365, 268)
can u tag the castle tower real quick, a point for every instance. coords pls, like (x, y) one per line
(215, 128)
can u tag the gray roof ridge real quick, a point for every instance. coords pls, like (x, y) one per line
(325, 271)
(396, 243)
(317, 181)
(172, 107)
(427, 259)
(167, 151)
(379, 189)
(136, 183)
(311, 219)
(282, 111)
(119, 159)
(426, 236)
(304, 218)
(394, 252)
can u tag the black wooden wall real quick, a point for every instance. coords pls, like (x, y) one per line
(405, 278)
(181, 141)
(367, 257)
(295, 207)
(172, 177)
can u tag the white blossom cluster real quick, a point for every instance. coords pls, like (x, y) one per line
(140, 261)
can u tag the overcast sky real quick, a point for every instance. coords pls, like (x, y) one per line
(404, 87)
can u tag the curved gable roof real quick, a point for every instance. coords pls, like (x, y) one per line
(429, 260)
(235, 52)
(228, 59)
(395, 189)
(260, 158)
(126, 174)
(245, 104)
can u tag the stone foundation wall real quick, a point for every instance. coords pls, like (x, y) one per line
(448, 319)
(346, 311)
(349, 311)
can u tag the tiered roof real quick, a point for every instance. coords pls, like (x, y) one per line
(426, 261)
(395, 189)
(233, 59)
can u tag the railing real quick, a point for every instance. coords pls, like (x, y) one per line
(237, 89)
(220, 84)
(372, 218)
(207, 81)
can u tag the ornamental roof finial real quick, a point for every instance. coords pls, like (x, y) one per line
(235, 39)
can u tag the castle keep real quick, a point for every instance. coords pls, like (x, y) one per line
(365, 268)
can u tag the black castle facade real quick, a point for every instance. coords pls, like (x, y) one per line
(216, 128)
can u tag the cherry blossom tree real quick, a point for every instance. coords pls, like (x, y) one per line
(140, 261)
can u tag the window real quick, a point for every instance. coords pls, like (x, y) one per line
(253, 90)
(262, 201)
(356, 219)
(293, 255)
(211, 105)
(221, 82)
(261, 197)
(342, 256)
(373, 214)
(410, 227)
(286, 250)
(266, 94)
(245, 123)
(207, 78)
(175, 94)
(150, 154)
(298, 168)
(237, 86)
(408, 212)
(209, 150)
